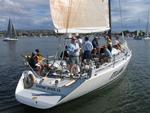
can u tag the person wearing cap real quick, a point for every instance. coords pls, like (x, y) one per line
(39, 61)
(73, 52)
(95, 42)
(87, 47)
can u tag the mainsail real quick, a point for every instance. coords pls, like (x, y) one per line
(80, 16)
(11, 32)
(9, 29)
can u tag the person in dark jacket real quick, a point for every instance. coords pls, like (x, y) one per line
(95, 44)
(32, 61)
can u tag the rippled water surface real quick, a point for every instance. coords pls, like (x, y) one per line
(131, 94)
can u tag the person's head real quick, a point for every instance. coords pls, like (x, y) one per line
(117, 38)
(86, 38)
(73, 39)
(37, 50)
(78, 37)
(66, 47)
(96, 38)
(109, 39)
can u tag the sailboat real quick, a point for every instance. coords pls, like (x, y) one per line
(59, 85)
(137, 36)
(147, 37)
(11, 32)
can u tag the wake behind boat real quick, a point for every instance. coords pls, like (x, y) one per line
(11, 32)
(58, 83)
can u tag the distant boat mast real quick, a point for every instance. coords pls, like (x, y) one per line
(147, 25)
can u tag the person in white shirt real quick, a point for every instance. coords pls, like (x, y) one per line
(117, 43)
(80, 41)
(87, 47)
(74, 52)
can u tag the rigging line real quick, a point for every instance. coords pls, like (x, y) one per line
(67, 26)
(121, 17)
(68, 16)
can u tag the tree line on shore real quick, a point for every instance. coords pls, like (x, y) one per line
(40, 33)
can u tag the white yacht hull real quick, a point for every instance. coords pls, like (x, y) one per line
(47, 99)
(10, 39)
(147, 38)
(98, 81)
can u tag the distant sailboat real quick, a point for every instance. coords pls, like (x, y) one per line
(137, 36)
(147, 37)
(11, 32)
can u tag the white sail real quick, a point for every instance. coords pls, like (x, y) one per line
(9, 29)
(80, 16)
(11, 32)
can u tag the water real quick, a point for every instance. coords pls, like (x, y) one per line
(131, 94)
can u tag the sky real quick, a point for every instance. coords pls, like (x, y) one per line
(35, 14)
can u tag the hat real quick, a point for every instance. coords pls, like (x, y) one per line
(37, 50)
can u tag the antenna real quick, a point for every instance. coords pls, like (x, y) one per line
(109, 4)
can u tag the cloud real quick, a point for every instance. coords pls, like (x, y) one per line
(35, 14)
(133, 12)
(25, 14)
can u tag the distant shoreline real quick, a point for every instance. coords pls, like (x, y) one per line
(48, 33)
(30, 33)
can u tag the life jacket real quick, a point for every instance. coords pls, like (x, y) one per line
(40, 58)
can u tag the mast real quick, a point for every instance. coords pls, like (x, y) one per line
(147, 25)
(110, 25)
(121, 21)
